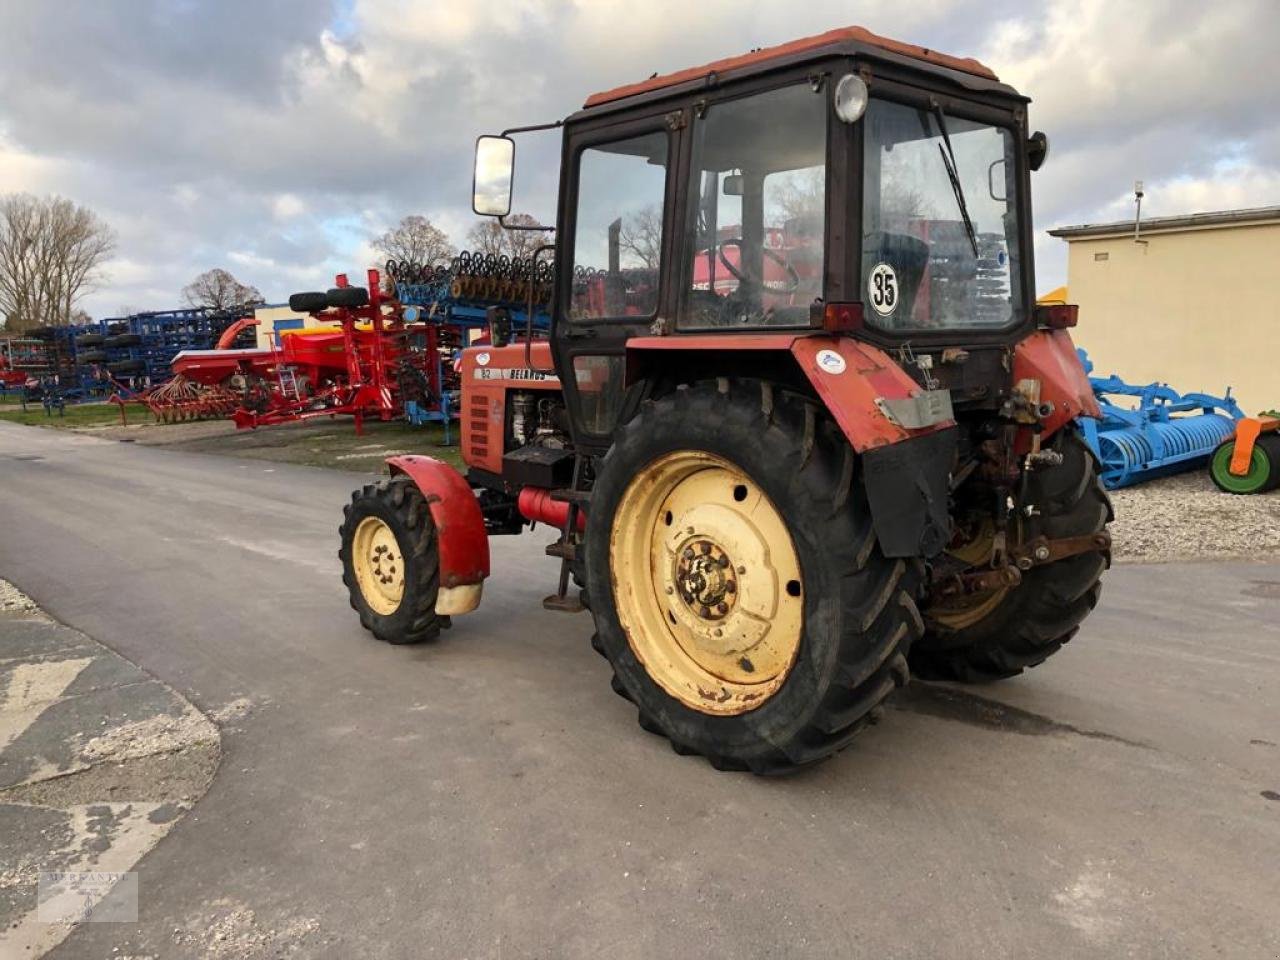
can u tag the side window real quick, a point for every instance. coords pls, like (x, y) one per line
(617, 243)
(756, 228)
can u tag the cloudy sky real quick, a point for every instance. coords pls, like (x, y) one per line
(276, 137)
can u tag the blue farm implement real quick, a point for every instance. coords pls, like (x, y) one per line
(476, 299)
(89, 361)
(1157, 432)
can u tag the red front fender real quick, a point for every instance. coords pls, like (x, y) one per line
(463, 543)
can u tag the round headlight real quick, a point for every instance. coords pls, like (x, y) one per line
(851, 97)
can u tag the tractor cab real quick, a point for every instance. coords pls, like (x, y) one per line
(844, 182)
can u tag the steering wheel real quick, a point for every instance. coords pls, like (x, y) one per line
(793, 278)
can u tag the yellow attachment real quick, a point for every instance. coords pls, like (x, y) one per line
(379, 565)
(707, 583)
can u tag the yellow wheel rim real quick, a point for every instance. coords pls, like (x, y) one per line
(379, 565)
(707, 583)
(958, 613)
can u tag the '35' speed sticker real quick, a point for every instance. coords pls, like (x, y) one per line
(882, 289)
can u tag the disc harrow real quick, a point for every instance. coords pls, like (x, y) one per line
(476, 276)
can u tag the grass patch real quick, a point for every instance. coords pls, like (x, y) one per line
(314, 443)
(327, 443)
(77, 415)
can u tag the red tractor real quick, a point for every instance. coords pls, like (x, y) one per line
(782, 494)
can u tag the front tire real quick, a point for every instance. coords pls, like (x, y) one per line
(1019, 627)
(391, 562)
(737, 586)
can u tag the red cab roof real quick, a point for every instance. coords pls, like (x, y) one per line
(842, 34)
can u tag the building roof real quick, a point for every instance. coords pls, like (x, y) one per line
(1190, 221)
(757, 57)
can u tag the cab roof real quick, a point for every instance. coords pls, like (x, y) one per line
(763, 56)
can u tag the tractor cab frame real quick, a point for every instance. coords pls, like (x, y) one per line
(658, 176)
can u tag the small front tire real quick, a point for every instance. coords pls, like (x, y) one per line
(391, 562)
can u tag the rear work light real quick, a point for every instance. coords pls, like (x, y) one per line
(842, 316)
(1057, 316)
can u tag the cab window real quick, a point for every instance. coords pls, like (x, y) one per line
(940, 226)
(755, 236)
(617, 243)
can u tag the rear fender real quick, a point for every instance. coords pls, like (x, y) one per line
(905, 434)
(1049, 357)
(462, 542)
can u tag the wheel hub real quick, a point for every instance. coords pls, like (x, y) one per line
(378, 564)
(707, 583)
(705, 579)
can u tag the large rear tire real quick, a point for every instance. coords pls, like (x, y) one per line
(1014, 628)
(391, 562)
(737, 586)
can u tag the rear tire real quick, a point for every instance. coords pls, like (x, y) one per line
(856, 616)
(1035, 618)
(389, 540)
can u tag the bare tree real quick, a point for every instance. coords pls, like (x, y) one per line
(641, 236)
(51, 254)
(487, 237)
(491, 237)
(799, 195)
(221, 292)
(416, 240)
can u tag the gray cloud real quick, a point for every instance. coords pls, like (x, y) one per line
(276, 138)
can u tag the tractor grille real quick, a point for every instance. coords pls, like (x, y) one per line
(478, 415)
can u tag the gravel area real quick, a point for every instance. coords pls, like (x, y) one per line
(13, 600)
(1187, 518)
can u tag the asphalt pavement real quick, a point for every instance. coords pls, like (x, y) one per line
(488, 796)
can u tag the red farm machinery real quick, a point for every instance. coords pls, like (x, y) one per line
(798, 420)
(369, 354)
(362, 361)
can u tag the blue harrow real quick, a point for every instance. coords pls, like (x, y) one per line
(1165, 432)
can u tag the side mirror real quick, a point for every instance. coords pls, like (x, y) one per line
(1037, 150)
(491, 184)
(733, 185)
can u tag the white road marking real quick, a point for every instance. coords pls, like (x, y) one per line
(283, 552)
(32, 688)
(133, 834)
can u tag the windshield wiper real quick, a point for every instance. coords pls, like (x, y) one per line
(949, 161)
